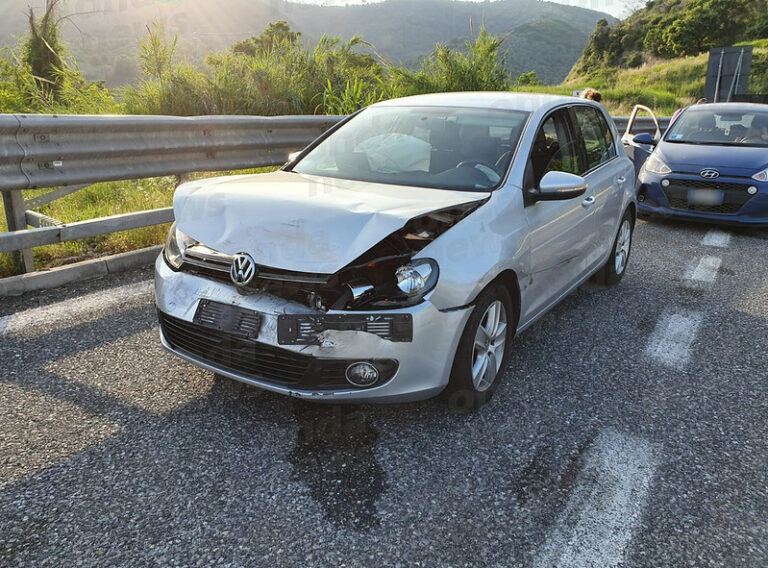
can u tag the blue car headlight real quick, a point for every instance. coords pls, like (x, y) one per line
(656, 165)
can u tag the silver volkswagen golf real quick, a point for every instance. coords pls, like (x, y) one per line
(397, 256)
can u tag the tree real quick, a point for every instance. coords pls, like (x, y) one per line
(528, 80)
(36, 77)
(759, 28)
(710, 23)
(275, 34)
(43, 51)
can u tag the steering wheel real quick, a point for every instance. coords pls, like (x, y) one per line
(489, 170)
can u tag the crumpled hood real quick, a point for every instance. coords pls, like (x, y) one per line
(298, 222)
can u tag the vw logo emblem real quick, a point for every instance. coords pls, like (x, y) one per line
(709, 174)
(243, 269)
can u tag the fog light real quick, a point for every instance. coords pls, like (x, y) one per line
(362, 374)
(751, 190)
(665, 183)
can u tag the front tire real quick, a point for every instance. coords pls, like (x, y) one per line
(613, 271)
(483, 350)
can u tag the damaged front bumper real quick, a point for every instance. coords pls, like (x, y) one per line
(289, 348)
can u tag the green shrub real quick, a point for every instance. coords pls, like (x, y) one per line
(634, 60)
(481, 68)
(529, 78)
(37, 76)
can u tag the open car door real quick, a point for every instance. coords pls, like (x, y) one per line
(638, 150)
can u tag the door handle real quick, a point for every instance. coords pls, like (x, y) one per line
(588, 201)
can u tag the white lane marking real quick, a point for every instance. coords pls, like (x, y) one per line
(73, 308)
(716, 238)
(604, 509)
(706, 269)
(670, 343)
(701, 274)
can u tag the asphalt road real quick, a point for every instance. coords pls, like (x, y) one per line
(631, 429)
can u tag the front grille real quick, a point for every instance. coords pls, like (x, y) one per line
(707, 184)
(235, 353)
(218, 274)
(734, 195)
(208, 263)
(261, 361)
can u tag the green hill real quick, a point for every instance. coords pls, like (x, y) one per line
(667, 29)
(658, 55)
(103, 35)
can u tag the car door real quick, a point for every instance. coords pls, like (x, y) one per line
(606, 173)
(558, 230)
(636, 151)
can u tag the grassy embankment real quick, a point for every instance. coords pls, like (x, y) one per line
(664, 84)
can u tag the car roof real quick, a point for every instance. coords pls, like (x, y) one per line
(728, 107)
(486, 99)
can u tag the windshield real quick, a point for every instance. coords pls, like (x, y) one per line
(723, 128)
(448, 148)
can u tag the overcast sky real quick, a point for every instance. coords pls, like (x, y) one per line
(618, 8)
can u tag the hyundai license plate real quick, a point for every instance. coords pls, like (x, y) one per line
(705, 197)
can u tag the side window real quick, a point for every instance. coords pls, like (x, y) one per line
(598, 141)
(554, 149)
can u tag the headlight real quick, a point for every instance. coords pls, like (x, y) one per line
(387, 284)
(175, 244)
(417, 277)
(761, 176)
(656, 165)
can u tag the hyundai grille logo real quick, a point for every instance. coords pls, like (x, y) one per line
(243, 269)
(709, 174)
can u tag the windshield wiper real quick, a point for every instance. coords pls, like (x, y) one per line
(705, 143)
(688, 142)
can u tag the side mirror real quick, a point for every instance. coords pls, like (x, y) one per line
(644, 138)
(555, 186)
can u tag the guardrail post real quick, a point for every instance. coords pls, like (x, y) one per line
(15, 213)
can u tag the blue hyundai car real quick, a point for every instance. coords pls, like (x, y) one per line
(711, 165)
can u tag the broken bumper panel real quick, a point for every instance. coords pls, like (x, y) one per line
(303, 352)
(307, 329)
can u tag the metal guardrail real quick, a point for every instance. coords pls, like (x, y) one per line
(38, 151)
(71, 152)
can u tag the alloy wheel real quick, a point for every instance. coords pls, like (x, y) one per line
(623, 242)
(490, 340)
